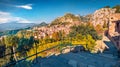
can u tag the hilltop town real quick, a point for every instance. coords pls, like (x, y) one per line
(102, 17)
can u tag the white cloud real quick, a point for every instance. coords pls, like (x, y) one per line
(27, 6)
(6, 17)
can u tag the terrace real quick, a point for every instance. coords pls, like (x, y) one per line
(71, 59)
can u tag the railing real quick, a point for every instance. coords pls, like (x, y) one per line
(13, 63)
(18, 51)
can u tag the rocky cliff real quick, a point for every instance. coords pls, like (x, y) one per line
(102, 15)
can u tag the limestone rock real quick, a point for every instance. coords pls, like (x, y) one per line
(101, 46)
(102, 15)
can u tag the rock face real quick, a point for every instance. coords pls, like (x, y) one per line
(100, 47)
(114, 23)
(111, 19)
(102, 15)
(114, 29)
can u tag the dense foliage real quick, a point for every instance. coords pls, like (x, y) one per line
(84, 35)
(84, 30)
(117, 7)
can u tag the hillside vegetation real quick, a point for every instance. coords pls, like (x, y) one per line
(66, 19)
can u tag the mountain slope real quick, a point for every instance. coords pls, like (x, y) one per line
(68, 18)
(14, 26)
(41, 24)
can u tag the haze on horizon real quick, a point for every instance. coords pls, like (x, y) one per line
(36, 11)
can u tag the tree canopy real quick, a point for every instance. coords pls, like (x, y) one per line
(84, 30)
(117, 7)
(11, 40)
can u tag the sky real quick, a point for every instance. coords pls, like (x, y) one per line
(36, 11)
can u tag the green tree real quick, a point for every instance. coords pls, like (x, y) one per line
(84, 30)
(84, 33)
(31, 41)
(23, 46)
(105, 25)
(117, 7)
(107, 7)
(90, 43)
(2, 41)
(79, 36)
(55, 36)
(12, 41)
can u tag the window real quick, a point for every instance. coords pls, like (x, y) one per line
(111, 17)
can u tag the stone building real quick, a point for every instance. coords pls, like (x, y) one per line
(114, 24)
(114, 29)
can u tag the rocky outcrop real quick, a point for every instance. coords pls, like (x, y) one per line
(67, 19)
(102, 15)
(100, 47)
(114, 29)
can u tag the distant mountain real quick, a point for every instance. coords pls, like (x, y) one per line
(14, 26)
(41, 24)
(11, 32)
